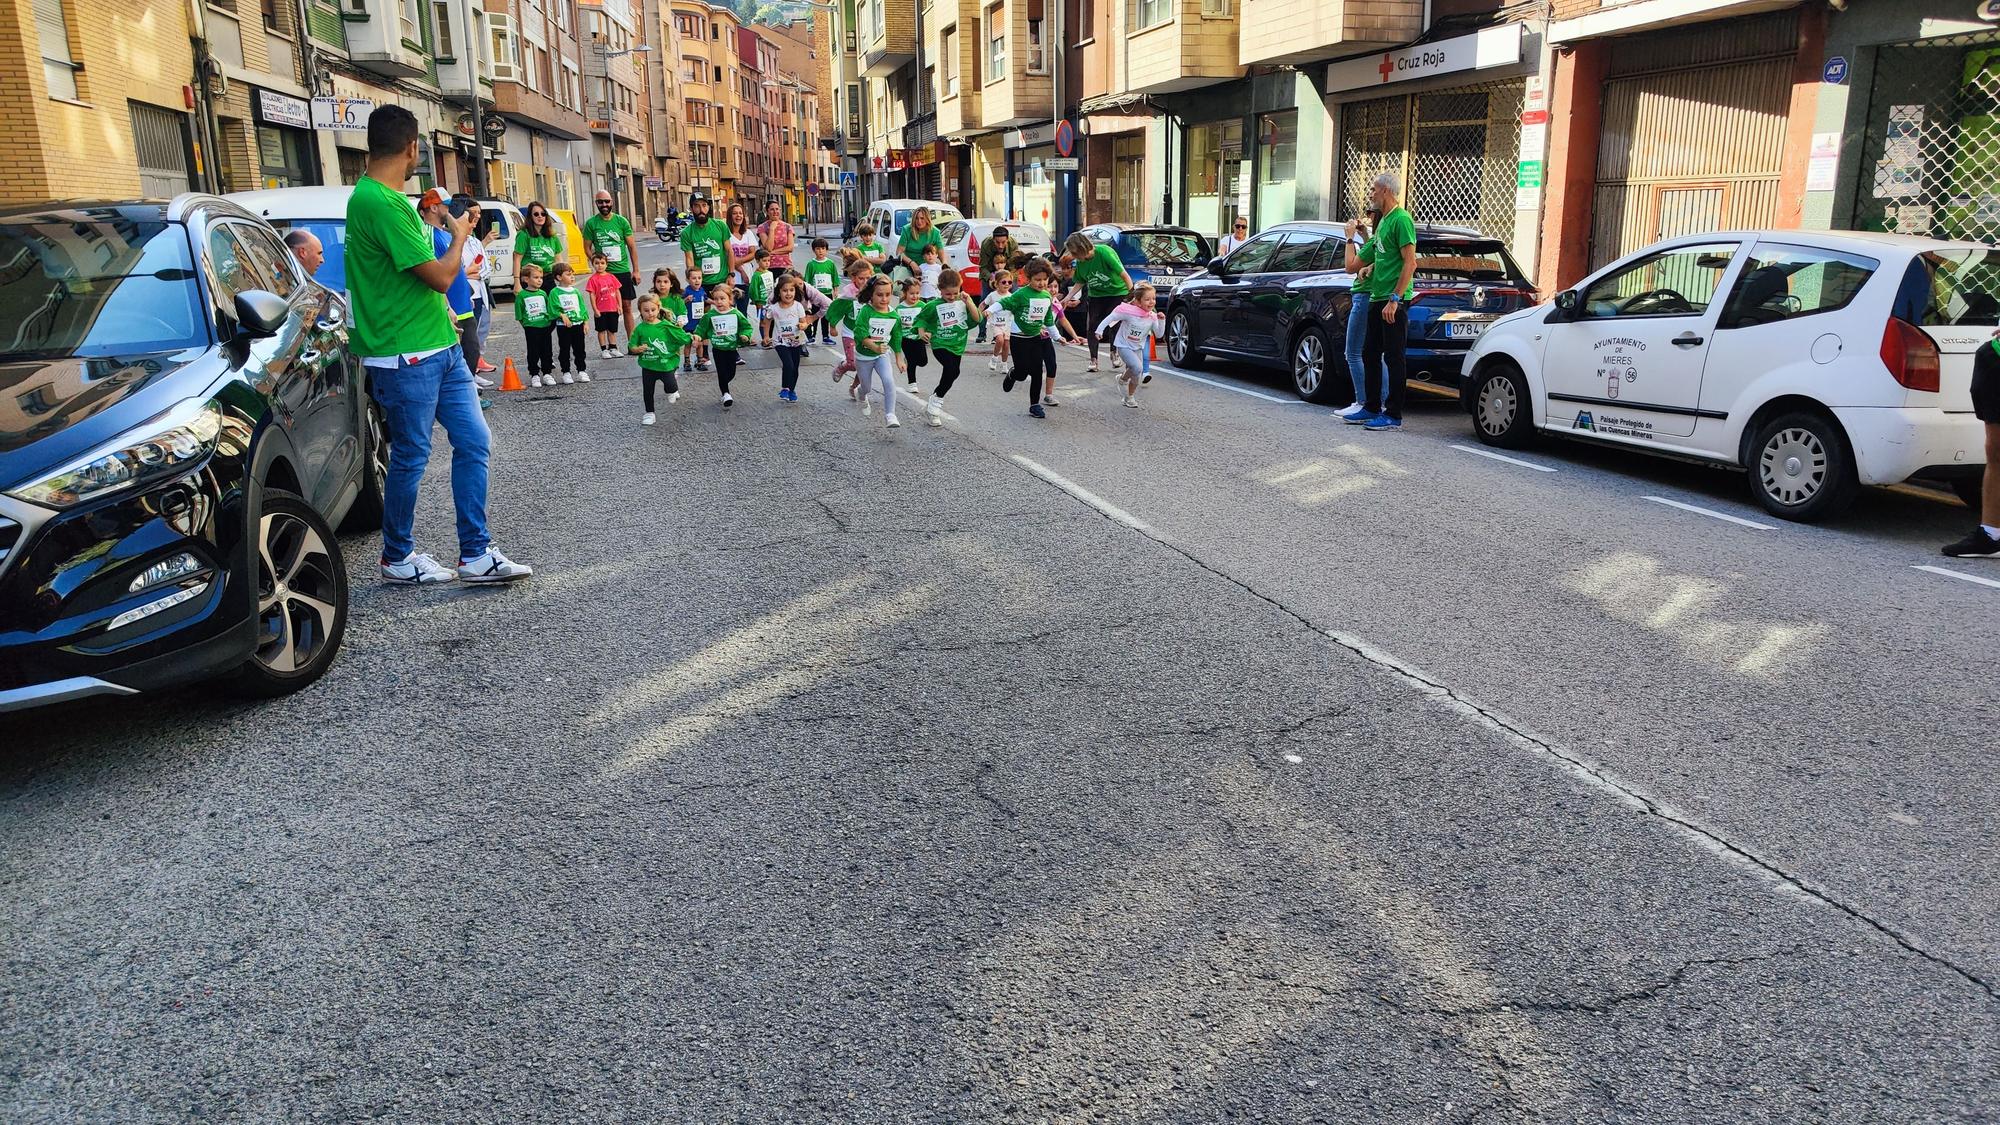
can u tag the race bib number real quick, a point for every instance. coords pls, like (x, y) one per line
(535, 305)
(908, 315)
(698, 308)
(789, 335)
(569, 304)
(725, 324)
(614, 253)
(711, 264)
(879, 329)
(951, 316)
(1038, 309)
(823, 282)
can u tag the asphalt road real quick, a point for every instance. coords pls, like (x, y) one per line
(1204, 762)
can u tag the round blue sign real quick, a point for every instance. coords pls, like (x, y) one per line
(1835, 71)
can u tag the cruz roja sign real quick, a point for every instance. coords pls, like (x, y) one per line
(1495, 46)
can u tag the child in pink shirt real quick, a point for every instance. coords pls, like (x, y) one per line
(606, 301)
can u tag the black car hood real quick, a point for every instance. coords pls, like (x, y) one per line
(54, 410)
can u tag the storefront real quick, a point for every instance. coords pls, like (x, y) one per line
(1450, 130)
(286, 154)
(1905, 137)
(1247, 148)
(1036, 192)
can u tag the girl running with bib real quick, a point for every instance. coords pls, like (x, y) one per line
(947, 323)
(1138, 324)
(878, 338)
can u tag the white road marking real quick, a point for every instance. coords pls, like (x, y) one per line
(1711, 513)
(1161, 369)
(1116, 513)
(1960, 575)
(1473, 449)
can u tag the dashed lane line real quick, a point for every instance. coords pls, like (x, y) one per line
(1476, 451)
(1960, 575)
(1711, 513)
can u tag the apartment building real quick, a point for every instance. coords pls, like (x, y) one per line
(613, 74)
(537, 84)
(669, 181)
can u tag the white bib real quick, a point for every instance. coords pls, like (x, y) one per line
(711, 264)
(724, 323)
(614, 253)
(879, 329)
(534, 304)
(823, 282)
(1038, 309)
(951, 315)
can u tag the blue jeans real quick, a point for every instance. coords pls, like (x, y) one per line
(1357, 335)
(482, 319)
(435, 390)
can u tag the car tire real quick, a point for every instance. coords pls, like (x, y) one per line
(1501, 412)
(1800, 467)
(366, 513)
(301, 590)
(1971, 491)
(1181, 346)
(1318, 376)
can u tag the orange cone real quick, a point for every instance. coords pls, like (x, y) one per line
(1152, 349)
(510, 379)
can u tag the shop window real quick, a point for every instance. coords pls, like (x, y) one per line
(1149, 13)
(58, 65)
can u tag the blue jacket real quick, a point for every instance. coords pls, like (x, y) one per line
(460, 293)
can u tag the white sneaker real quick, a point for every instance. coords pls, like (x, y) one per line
(673, 397)
(891, 420)
(613, 352)
(867, 407)
(492, 567)
(1350, 410)
(483, 383)
(993, 363)
(568, 378)
(1117, 362)
(1130, 401)
(534, 382)
(416, 570)
(646, 419)
(604, 353)
(728, 400)
(1050, 400)
(583, 376)
(935, 411)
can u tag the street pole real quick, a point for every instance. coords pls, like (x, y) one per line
(476, 179)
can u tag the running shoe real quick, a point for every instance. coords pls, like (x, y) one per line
(867, 407)
(483, 368)
(1036, 411)
(1362, 417)
(1130, 401)
(483, 383)
(583, 376)
(1351, 409)
(417, 570)
(1007, 385)
(1384, 422)
(1978, 545)
(890, 419)
(646, 419)
(568, 378)
(492, 567)
(728, 400)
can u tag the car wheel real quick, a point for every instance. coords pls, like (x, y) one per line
(1500, 412)
(366, 514)
(1181, 351)
(1313, 374)
(1969, 490)
(301, 598)
(1800, 467)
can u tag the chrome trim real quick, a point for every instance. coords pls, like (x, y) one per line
(59, 691)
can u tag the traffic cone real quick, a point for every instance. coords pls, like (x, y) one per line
(1152, 349)
(510, 379)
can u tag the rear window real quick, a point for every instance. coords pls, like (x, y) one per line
(332, 235)
(954, 233)
(1162, 248)
(112, 287)
(1465, 260)
(1951, 287)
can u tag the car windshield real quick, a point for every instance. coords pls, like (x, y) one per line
(1465, 260)
(1953, 287)
(939, 216)
(332, 235)
(97, 286)
(1162, 248)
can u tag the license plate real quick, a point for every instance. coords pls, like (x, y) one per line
(1464, 329)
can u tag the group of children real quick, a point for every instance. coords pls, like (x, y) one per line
(885, 329)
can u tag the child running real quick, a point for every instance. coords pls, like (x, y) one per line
(947, 323)
(822, 276)
(790, 324)
(726, 330)
(1002, 325)
(878, 334)
(697, 303)
(842, 312)
(930, 271)
(538, 322)
(658, 342)
(607, 302)
(1137, 324)
(915, 355)
(569, 321)
(1036, 315)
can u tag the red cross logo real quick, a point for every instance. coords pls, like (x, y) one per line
(1387, 68)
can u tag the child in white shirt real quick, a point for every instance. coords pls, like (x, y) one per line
(929, 272)
(1000, 320)
(1137, 323)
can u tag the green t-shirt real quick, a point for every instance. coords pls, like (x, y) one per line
(1034, 311)
(394, 312)
(912, 244)
(707, 248)
(543, 252)
(908, 314)
(606, 234)
(534, 309)
(872, 250)
(727, 330)
(570, 303)
(760, 288)
(875, 332)
(823, 275)
(1393, 233)
(949, 323)
(658, 345)
(1102, 274)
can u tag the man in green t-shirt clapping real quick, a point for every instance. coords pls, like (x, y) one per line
(1392, 258)
(705, 242)
(403, 335)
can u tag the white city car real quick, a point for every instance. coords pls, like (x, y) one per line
(1816, 361)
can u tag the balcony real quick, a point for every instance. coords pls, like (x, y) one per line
(1183, 45)
(383, 38)
(1289, 32)
(887, 34)
(466, 64)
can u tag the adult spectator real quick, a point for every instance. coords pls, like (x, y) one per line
(705, 241)
(742, 244)
(923, 232)
(777, 236)
(306, 248)
(403, 332)
(1392, 266)
(1104, 282)
(1237, 236)
(539, 243)
(1984, 540)
(611, 235)
(1358, 256)
(458, 295)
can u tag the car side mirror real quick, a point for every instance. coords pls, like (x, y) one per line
(261, 313)
(1567, 302)
(1215, 265)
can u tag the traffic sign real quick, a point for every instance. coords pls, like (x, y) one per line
(1065, 138)
(848, 179)
(1060, 163)
(812, 189)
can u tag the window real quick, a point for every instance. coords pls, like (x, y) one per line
(1951, 287)
(411, 15)
(1215, 9)
(506, 48)
(948, 60)
(1483, 260)
(1782, 282)
(1677, 282)
(58, 65)
(1297, 254)
(693, 70)
(443, 41)
(1038, 57)
(1251, 256)
(718, 76)
(510, 181)
(996, 42)
(563, 197)
(270, 15)
(1149, 13)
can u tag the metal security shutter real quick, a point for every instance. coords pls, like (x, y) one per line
(1930, 158)
(159, 143)
(1455, 151)
(1693, 134)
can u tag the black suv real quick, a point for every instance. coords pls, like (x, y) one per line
(180, 428)
(1281, 299)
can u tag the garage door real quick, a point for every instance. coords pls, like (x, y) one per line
(1691, 148)
(159, 143)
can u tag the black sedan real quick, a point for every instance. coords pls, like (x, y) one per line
(1280, 300)
(181, 427)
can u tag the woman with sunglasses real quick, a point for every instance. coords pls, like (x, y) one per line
(540, 243)
(1237, 236)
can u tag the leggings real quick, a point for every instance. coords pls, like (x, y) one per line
(851, 363)
(883, 368)
(947, 371)
(1137, 362)
(1383, 355)
(569, 340)
(651, 377)
(725, 368)
(915, 355)
(788, 363)
(1033, 355)
(1097, 308)
(541, 349)
(1357, 342)
(468, 340)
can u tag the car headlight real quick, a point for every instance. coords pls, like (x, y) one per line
(163, 448)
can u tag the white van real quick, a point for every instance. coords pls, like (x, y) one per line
(323, 211)
(891, 217)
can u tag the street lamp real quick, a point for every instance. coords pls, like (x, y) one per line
(611, 121)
